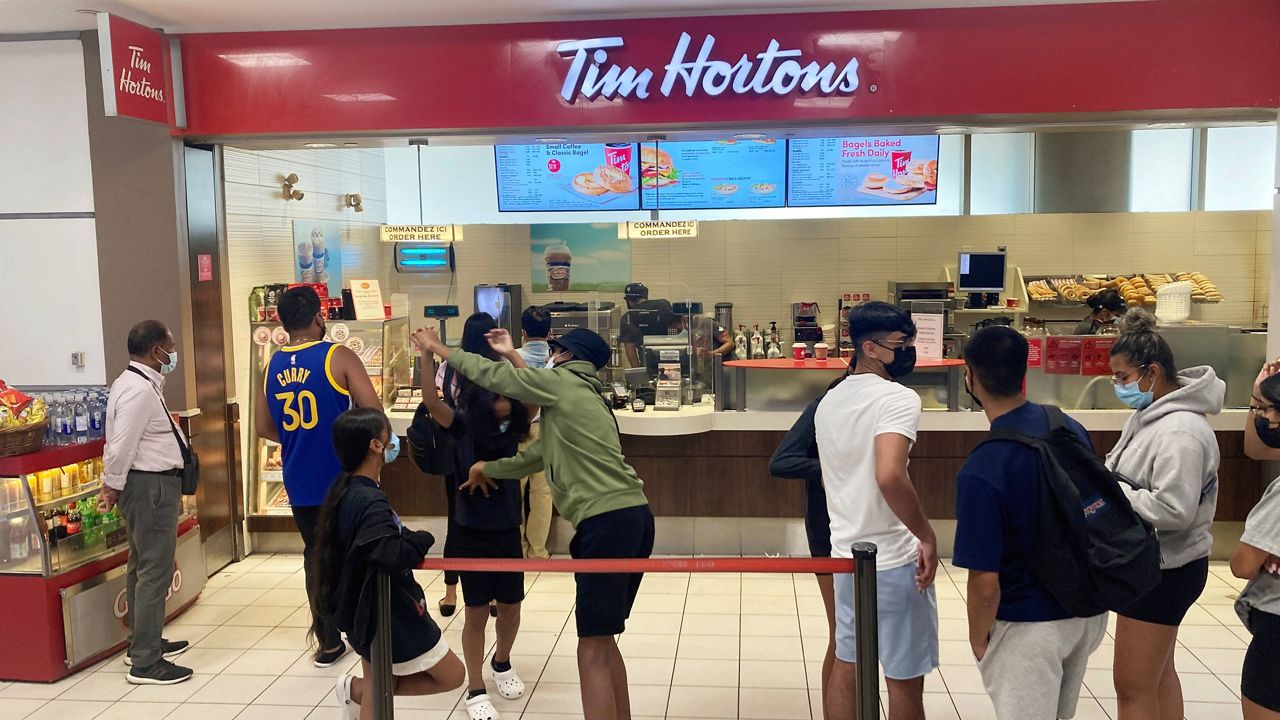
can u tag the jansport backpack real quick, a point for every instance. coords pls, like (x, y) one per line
(1093, 552)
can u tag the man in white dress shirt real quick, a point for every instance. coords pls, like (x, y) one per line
(142, 467)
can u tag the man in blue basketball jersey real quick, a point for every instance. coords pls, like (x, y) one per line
(308, 383)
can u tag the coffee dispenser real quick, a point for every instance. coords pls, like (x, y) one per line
(804, 324)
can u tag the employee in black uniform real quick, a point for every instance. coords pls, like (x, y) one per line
(1106, 307)
(630, 333)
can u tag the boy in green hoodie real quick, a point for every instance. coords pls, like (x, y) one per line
(592, 486)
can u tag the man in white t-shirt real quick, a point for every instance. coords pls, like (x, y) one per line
(865, 427)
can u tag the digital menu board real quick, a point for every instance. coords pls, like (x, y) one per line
(713, 175)
(886, 170)
(567, 177)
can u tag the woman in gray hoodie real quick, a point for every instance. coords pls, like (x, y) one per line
(1170, 454)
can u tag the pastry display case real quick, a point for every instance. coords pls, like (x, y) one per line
(382, 345)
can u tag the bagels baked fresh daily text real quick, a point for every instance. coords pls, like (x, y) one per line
(656, 167)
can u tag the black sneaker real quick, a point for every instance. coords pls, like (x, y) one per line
(326, 658)
(162, 672)
(169, 649)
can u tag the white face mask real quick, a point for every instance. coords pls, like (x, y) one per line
(553, 362)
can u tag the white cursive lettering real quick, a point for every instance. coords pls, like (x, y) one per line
(774, 71)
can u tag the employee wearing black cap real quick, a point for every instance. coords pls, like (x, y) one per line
(630, 333)
(592, 486)
(1105, 308)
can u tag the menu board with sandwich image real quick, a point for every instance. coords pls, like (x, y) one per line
(560, 177)
(886, 170)
(713, 175)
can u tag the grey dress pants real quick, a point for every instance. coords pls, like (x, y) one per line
(150, 504)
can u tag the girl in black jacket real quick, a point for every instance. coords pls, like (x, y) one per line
(359, 537)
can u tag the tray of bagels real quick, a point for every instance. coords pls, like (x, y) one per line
(1137, 290)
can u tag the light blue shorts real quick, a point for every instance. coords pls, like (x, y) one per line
(908, 623)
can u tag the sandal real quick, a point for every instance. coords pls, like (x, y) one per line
(350, 710)
(447, 610)
(481, 708)
(510, 686)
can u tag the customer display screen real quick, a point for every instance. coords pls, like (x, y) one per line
(981, 272)
(560, 177)
(886, 170)
(718, 174)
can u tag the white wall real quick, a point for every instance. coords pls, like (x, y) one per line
(49, 299)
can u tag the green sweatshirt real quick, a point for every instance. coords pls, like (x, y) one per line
(581, 455)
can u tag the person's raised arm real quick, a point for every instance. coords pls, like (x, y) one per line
(349, 372)
(891, 451)
(501, 342)
(528, 385)
(437, 407)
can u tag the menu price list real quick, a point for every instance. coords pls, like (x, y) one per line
(564, 177)
(853, 171)
(721, 175)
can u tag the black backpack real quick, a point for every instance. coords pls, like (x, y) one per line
(431, 447)
(1093, 552)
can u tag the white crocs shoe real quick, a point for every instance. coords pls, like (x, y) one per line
(510, 686)
(350, 710)
(481, 707)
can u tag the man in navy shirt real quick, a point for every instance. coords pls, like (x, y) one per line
(1031, 652)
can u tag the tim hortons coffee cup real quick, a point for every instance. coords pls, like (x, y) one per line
(559, 263)
(821, 350)
(619, 155)
(797, 350)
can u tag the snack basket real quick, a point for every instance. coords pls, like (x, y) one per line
(21, 439)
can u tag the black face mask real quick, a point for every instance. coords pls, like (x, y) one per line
(1268, 435)
(904, 361)
(969, 389)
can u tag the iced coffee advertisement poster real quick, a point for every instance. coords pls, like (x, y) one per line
(317, 248)
(579, 257)
(884, 170)
(715, 175)
(566, 177)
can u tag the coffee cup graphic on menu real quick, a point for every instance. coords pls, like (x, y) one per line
(618, 155)
(900, 161)
(559, 262)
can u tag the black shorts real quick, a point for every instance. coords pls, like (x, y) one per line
(481, 588)
(1262, 662)
(1169, 602)
(605, 599)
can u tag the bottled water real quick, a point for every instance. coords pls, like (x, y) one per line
(97, 416)
(80, 416)
(63, 418)
(50, 423)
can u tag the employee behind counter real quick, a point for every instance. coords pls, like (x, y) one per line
(1106, 307)
(656, 317)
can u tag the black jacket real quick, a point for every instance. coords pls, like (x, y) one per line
(373, 541)
(797, 459)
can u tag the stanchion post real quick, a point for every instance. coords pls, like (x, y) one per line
(380, 680)
(866, 625)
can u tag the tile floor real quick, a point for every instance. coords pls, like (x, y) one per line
(707, 646)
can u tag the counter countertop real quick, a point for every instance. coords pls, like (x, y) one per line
(829, 364)
(702, 418)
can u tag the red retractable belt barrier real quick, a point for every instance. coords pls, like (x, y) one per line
(779, 565)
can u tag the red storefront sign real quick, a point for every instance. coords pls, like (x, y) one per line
(816, 68)
(132, 58)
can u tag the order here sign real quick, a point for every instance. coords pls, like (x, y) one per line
(420, 233)
(658, 230)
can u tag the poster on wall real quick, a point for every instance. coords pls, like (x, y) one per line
(579, 257)
(318, 258)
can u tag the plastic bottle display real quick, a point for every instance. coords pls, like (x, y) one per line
(757, 344)
(80, 419)
(97, 417)
(740, 340)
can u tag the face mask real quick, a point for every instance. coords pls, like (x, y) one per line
(969, 389)
(392, 450)
(904, 361)
(504, 426)
(553, 362)
(1130, 394)
(1268, 435)
(170, 366)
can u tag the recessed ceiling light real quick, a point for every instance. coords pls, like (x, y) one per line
(361, 97)
(750, 136)
(952, 130)
(550, 139)
(1166, 125)
(269, 59)
(321, 145)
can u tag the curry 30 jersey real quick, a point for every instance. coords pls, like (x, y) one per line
(304, 400)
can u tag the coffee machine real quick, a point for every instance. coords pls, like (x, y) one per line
(805, 325)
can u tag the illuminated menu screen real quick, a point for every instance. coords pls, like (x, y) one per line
(885, 170)
(713, 175)
(567, 177)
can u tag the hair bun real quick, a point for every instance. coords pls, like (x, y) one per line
(1137, 320)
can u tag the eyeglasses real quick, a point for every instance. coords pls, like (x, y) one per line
(1121, 378)
(904, 343)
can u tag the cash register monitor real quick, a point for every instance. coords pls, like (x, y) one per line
(981, 272)
(666, 349)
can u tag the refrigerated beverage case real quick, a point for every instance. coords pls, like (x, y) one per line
(80, 419)
(559, 262)
(18, 548)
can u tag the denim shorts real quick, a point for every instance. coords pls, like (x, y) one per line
(908, 623)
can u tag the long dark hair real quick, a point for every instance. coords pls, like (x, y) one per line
(475, 342)
(476, 405)
(353, 430)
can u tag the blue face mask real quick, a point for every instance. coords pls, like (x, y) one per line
(170, 366)
(392, 450)
(1130, 394)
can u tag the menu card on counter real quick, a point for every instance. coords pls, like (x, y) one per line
(929, 331)
(1062, 356)
(1095, 355)
(366, 297)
